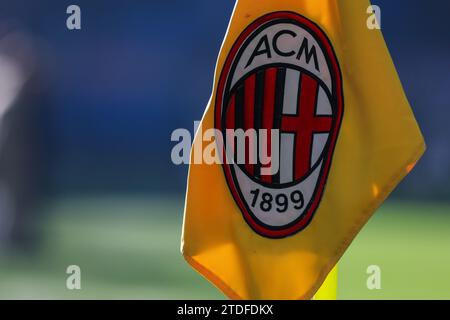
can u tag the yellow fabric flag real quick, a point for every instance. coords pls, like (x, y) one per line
(313, 74)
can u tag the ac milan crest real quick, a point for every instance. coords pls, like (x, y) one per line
(281, 74)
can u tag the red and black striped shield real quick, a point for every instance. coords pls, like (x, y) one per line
(281, 78)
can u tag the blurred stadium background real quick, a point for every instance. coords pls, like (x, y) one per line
(85, 170)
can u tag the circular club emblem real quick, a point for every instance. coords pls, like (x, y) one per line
(281, 87)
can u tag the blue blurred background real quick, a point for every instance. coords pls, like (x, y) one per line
(109, 96)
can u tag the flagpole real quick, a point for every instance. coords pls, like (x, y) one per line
(328, 290)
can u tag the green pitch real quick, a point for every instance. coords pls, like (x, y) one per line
(129, 249)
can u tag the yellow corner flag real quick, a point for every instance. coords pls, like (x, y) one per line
(317, 131)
